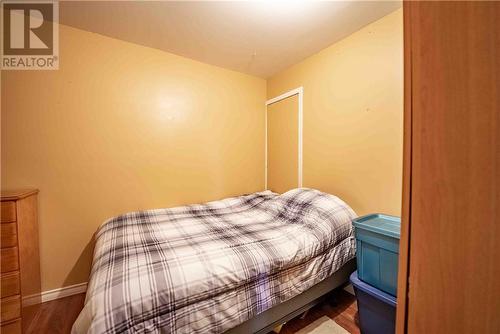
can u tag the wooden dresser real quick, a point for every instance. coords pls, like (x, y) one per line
(20, 260)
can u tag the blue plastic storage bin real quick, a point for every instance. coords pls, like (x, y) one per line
(377, 309)
(377, 250)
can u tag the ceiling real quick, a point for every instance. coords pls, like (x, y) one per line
(258, 38)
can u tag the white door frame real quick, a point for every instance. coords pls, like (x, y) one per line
(300, 92)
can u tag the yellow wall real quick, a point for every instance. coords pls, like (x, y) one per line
(121, 127)
(353, 116)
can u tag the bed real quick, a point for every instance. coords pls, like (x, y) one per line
(236, 265)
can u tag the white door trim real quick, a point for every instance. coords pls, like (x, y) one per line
(300, 92)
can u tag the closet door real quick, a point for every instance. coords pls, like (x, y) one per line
(449, 280)
(282, 144)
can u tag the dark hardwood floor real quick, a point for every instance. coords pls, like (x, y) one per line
(340, 306)
(57, 317)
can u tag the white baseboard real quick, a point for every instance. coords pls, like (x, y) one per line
(49, 295)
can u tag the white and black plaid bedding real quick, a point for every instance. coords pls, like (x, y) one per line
(207, 268)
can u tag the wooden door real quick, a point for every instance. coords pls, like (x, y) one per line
(449, 279)
(283, 144)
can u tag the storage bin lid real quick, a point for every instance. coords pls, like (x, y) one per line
(372, 291)
(379, 223)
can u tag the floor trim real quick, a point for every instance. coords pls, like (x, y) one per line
(49, 295)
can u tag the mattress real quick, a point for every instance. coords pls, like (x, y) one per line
(207, 268)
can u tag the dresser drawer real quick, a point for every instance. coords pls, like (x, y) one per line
(13, 327)
(8, 235)
(11, 308)
(8, 213)
(9, 284)
(9, 259)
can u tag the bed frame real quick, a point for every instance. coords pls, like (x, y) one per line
(281, 313)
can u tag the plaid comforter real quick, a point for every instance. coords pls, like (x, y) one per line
(207, 268)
